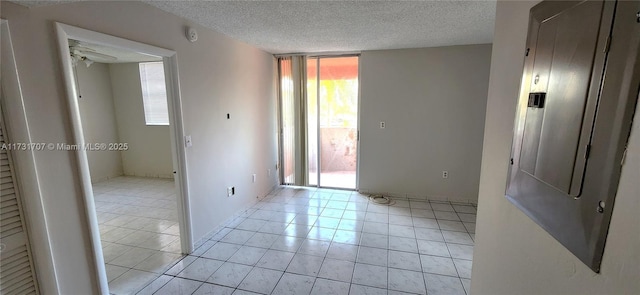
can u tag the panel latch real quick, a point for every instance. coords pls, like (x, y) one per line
(536, 100)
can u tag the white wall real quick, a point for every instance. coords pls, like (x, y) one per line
(98, 119)
(217, 76)
(112, 111)
(149, 147)
(433, 102)
(513, 255)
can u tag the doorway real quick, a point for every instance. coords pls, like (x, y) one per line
(125, 110)
(319, 121)
(332, 121)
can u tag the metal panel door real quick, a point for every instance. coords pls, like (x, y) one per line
(563, 58)
(560, 91)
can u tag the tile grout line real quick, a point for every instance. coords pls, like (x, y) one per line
(284, 200)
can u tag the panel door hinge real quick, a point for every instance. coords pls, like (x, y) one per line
(526, 53)
(607, 45)
(587, 151)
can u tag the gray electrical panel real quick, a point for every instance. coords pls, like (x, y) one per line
(561, 110)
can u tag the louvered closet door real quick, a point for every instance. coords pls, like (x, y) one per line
(16, 267)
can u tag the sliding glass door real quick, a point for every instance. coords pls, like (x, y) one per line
(332, 121)
(319, 121)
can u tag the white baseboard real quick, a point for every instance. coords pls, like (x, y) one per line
(412, 196)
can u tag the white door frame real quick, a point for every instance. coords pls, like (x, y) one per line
(17, 126)
(169, 58)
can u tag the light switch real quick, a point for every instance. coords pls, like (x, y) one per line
(187, 141)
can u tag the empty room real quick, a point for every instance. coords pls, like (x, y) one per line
(319, 147)
(125, 122)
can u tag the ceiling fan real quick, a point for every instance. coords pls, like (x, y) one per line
(80, 52)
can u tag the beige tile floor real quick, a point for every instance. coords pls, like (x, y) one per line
(138, 229)
(319, 241)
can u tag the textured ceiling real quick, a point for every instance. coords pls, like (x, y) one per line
(312, 26)
(334, 26)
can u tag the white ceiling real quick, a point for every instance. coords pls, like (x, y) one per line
(334, 26)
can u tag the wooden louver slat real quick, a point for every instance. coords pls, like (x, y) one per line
(16, 267)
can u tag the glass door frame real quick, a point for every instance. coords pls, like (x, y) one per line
(318, 59)
(302, 155)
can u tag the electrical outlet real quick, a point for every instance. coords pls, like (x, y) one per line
(229, 191)
(254, 177)
(445, 174)
(382, 125)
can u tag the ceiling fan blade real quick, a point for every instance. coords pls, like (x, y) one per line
(82, 48)
(97, 55)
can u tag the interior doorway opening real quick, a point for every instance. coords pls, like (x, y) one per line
(137, 208)
(125, 122)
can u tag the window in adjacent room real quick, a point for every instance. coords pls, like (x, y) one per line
(154, 93)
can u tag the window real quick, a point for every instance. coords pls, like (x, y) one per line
(154, 93)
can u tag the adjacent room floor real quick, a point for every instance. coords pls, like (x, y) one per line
(138, 229)
(317, 241)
